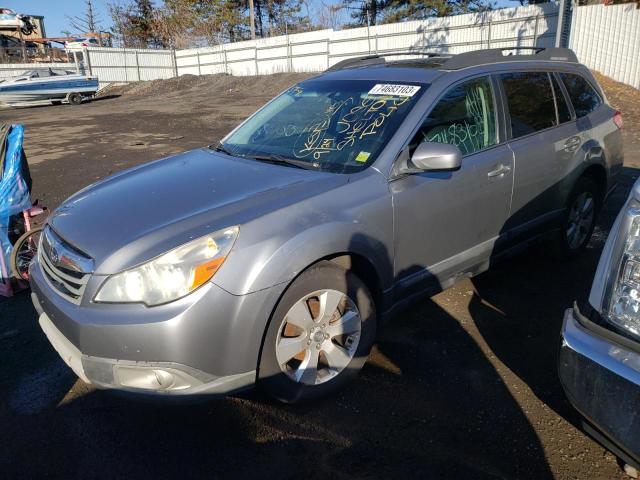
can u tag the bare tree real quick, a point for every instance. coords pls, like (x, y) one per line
(120, 14)
(88, 22)
(329, 15)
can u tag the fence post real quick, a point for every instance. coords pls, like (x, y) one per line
(255, 57)
(535, 31)
(174, 62)
(328, 51)
(559, 23)
(87, 60)
(224, 59)
(489, 35)
(198, 59)
(137, 65)
(565, 22)
(289, 54)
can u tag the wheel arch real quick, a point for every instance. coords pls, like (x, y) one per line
(598, 174)
(358, 263)
(368, 249)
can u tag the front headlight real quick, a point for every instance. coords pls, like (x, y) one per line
(623, 289)
(172, 275)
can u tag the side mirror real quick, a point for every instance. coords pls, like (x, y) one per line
(435, 157)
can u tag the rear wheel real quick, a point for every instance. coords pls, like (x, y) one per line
(74, 98)
(24, 252)
(579, 219)
(320, 335)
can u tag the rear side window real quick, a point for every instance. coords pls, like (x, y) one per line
(530, 101)
(564, 114)
(464, 117)
(584, 98)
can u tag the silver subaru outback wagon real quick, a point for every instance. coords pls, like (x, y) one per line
(271, 257)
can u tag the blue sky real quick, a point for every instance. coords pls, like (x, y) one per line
(55, 11)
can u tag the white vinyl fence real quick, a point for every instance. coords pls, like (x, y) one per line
(12, 69)
(607, 39)
(124, 65)
(316, 51)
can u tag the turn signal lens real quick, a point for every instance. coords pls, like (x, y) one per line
(203, 273)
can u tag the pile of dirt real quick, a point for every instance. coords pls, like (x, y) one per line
(626, 99)
(267, 84)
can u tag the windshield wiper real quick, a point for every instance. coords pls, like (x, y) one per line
(271, 158)
(280, 160)
(221, 148)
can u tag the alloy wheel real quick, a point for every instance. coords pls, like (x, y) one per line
(318, 337)
(581, 218)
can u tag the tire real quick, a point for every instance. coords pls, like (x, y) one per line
(340, 340)
(579, 219)
(23, 252)
(74, 98)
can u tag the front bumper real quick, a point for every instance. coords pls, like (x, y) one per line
(147, 377)
(602, 381)
(205, 343)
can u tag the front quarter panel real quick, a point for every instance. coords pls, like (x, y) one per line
(355, 217)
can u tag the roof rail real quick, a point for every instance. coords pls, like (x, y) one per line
(499, 55)
(467, 59)
(378, 59)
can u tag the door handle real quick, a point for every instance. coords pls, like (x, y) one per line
(572, 144)
(501, 170)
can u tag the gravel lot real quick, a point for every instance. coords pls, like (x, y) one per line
(463, 385)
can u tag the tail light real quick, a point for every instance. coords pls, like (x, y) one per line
(617, 119)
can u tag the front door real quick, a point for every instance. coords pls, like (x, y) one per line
(446, 223)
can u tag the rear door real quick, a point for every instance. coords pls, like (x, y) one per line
(544, 139)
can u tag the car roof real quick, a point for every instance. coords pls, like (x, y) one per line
(388, 73)
(425, 67)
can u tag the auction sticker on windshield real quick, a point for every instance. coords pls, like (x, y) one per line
(390, 89)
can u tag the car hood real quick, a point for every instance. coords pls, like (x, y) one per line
(140, 213)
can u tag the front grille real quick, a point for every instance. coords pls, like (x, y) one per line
(66, 269)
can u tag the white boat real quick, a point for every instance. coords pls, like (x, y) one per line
(46, 84)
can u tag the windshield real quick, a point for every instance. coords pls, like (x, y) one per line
(337, 126)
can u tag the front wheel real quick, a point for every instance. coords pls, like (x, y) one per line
(24, 252)
(320, 335)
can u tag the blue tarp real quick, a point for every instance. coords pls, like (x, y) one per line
(14, 191)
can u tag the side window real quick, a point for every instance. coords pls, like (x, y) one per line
(530, 101)
(464, 117)
(564, 114)
(584, 98)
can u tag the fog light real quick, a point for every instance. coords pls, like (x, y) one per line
(149, 378)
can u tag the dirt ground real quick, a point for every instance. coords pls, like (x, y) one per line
(463, 385)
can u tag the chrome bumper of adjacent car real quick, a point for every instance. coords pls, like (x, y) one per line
(602, 380)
